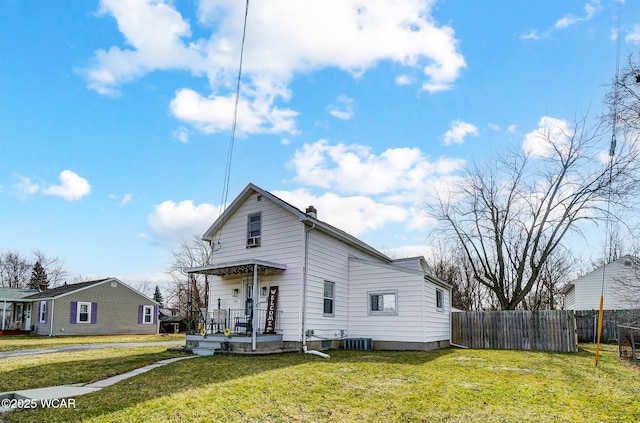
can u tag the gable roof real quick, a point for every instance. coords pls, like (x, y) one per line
(63, 290)
(302, 217)
(12, 294)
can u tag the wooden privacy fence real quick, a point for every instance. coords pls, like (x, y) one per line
(548, 330)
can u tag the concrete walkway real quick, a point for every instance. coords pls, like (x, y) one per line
(77, 389)
(80, 347)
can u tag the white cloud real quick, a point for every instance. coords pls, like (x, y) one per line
(127, 197)
(355, 169)
(72, 186)
(404, 79)
(354, 214)
(551, 133)
(590, 9)
(533, 35)
(350, 35)
(459, 130)
(344, 109)
(634, 36)
(24, 187)
(182, 135)
(172, 222)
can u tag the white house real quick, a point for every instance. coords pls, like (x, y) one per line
(283, 276)
(621, 287)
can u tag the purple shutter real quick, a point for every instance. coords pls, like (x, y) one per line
(74, 311)
(94, 313)
(155, 314)
(140, 314)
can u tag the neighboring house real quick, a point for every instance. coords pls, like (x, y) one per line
(15, 311)
(621, 287)
(278, 271)
(100, 307)
(171, 321)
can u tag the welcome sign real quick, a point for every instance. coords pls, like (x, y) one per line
(272, 307)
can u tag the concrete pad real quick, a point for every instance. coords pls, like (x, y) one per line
(54, 392)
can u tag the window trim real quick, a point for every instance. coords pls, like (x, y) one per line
(79, 312)
(145, 315)
(332, 298)
(439, 299)
(256, 240)
(370, 296)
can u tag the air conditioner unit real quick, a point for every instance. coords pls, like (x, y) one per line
(253, 241)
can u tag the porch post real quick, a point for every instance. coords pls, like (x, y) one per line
(254, 317)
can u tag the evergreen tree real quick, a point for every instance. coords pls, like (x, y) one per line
(38, 278)
(157, 296)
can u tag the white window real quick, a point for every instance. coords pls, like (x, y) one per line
(84, 313)
(147, 315)
(329, 298)
(254, 230)
(439, 299)
(383, 302)
(42, 312)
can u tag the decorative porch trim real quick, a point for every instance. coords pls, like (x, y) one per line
(238, 268)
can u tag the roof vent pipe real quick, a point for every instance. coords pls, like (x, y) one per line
(312, 212)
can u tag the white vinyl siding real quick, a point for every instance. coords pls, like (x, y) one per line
(282, 241)
(587, 289)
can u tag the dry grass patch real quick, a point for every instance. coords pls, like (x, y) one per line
(26, 342)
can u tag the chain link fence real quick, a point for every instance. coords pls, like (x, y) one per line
(629, 342)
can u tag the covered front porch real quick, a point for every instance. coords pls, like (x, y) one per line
(243, 315)
(15, 312)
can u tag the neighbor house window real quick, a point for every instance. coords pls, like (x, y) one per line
(147, 315)
(383, 303)
(439, 299)
(42, 312)
(329, 298)
(84, 312)
(254, 230)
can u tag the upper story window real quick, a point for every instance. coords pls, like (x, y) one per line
(254, 230)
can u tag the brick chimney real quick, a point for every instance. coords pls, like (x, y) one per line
(311, 212)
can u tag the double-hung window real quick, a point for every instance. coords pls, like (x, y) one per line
(42, 312)
(147, 316)
(440, 299)
(329, 298)
(383, 302)
(254, 230)
(84, 312)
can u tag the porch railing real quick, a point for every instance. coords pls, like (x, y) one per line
(238, 322)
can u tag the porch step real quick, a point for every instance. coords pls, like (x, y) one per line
(206, 348)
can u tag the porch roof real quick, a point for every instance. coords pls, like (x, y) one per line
(238, 268)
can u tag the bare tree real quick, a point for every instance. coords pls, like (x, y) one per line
(624, 98)
(510, 216)
(189, 292)
(15, 270)
(454, 268)
(53, 267)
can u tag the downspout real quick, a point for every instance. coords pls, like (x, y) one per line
(304, 286)
(53, 306)
(254, 329)
(304, 297)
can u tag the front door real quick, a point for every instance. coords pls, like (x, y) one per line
(27, 317)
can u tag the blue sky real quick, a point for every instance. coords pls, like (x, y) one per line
(116, 115)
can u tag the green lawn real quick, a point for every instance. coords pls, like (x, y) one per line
(24, 342)
(450, 385)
